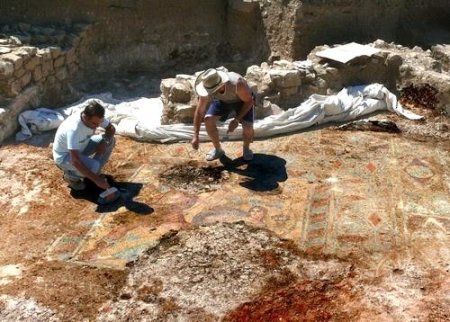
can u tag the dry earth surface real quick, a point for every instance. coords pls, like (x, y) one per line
(325, 225)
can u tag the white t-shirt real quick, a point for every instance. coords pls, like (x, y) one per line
(72, 134)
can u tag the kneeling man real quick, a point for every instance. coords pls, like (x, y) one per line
(81, 153)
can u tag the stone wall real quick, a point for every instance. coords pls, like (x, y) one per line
(50, 48)
(43, 56)
(37, 67)
(172, 36)
(282, 84)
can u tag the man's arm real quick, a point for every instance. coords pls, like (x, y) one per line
(244, 93)
(79, 165)
(110, 130)
(198, 117)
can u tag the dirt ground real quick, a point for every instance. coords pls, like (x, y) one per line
(332, 224)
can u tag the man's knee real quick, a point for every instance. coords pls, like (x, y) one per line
(210, 121)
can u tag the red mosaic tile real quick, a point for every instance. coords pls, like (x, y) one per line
(318, 233)
(374, 219)
(318, 218)
(371, 167)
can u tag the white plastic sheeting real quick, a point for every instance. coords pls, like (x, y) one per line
(347, 52)
(140, 118)
(36, 121)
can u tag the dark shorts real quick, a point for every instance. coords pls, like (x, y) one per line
(222, 109)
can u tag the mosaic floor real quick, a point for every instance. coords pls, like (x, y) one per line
(374, 197)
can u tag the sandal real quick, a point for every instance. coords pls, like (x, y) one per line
(214, 154)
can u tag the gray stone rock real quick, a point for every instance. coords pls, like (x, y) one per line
(180, 92)
(4, 50)
(6, 69)
(37, 73)
(16, 60)
(59, 62)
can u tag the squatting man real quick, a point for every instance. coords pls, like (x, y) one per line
(79, 151)
(220, 93)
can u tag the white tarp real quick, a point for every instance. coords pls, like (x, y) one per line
(347, 52)
(36, 121)
(140, 118)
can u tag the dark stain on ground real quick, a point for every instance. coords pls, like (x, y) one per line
(300, 300)
(193, 177)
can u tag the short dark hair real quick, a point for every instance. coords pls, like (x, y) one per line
(94, 109)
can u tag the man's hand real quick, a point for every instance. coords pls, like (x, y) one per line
(195, 142)
(101, 182)
(110, 130)
(233, 125)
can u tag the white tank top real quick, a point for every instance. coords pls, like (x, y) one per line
(229, 96)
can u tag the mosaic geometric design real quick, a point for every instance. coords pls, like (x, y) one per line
(329, 199)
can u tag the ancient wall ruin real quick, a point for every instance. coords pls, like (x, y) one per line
(284, 84)
(49, 54)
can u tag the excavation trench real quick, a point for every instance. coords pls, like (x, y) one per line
(323, 224)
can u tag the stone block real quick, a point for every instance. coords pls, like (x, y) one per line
(47, 68)
(254, 74)
(4, 50)
(184, 77)
(26, 51)
(44, 53)
(16, 60)
(285, 78)
(6, 69)
(309, 78)
(61, 74)
(180, 92)
(26, 79)
(15, 40)
(266, 83)
(183, 113)
(32, 63)
(289, 91)
(55, 51)
(71, 56)
(4, 88)
(166, 85)
(37, 73)
(58, 62)
(15, 87)
(283, 64)
(19, 72)
(394, 60)
(332, 72)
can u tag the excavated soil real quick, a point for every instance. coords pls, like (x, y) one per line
(194, 177)
(328, 240)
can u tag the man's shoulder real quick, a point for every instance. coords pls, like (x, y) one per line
(73, 122)
(234, 75)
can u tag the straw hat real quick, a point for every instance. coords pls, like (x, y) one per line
(209, 81)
